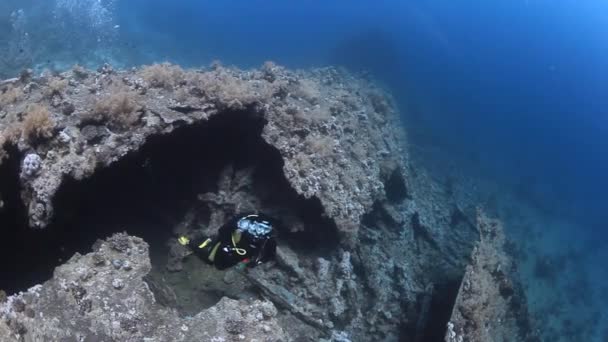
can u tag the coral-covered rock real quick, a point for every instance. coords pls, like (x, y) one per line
(366, 234)
(333, 146)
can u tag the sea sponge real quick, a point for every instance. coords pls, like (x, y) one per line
(163, 75)
(56, 86)
(118, 108)
(31, 165)
(11, 134)
(38, 124)
(10, 95)
(224, 85)
(79, 72)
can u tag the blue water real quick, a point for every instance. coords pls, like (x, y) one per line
(517, 90)
(520, 86)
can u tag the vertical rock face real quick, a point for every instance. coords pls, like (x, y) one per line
(368, 244)
(490, 305)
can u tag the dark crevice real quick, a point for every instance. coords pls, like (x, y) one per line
(321, 235)
(395, 187)
(440, 310)
(422, 233)
(21, 249)
(457, 218)
(185, 109)
(379, 217)
(461, 222)
(147, 193)
(432, 311)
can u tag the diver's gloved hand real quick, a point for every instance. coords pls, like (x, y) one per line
(184, 241)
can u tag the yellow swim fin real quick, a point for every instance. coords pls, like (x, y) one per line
(205, 243)
(183, 240)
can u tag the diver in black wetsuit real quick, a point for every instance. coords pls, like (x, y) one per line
(246, 240)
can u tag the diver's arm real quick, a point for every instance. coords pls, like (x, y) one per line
(225, 231)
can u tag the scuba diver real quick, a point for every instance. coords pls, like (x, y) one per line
(245, 240)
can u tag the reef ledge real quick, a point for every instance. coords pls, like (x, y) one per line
(372, 248)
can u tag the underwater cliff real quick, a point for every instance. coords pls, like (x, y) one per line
(371, 248)
(433, 171)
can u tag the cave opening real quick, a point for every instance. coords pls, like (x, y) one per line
(148, 192)
(395, 187)
(23, 251)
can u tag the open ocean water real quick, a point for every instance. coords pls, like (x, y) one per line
(511, 92)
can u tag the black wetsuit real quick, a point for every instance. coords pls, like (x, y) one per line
(233, 245)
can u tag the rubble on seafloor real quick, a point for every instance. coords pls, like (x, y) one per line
(370, 247)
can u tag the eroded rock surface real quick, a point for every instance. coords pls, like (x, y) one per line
(334, 131)
(369, 240)
(490, 305)
(101, 296)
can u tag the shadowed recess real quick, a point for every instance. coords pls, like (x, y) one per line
(146, 194)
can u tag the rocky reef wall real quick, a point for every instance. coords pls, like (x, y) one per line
(73, 123)
(370, 246)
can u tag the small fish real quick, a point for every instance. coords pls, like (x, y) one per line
(116, 26)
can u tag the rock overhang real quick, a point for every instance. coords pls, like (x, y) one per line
(339, 141)
(332, 133)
